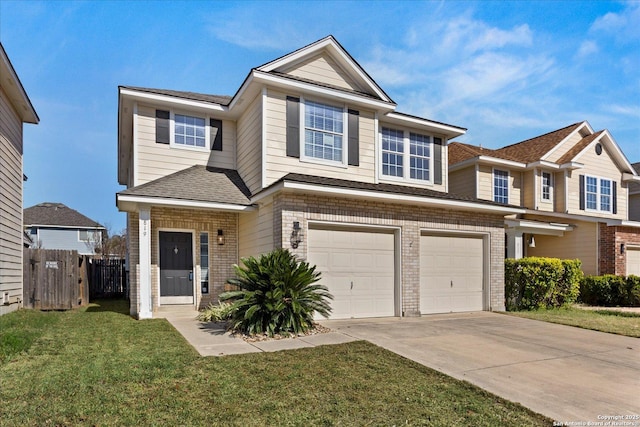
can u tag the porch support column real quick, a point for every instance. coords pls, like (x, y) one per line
(146, 309)
(515, 240)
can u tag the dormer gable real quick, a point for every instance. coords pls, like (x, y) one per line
(327, 63)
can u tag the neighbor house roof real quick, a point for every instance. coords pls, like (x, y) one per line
(216, 99)
(197, 183)
(57, 214)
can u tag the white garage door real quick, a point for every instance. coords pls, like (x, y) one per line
(358, 268)
(451, 274)
(633, 261)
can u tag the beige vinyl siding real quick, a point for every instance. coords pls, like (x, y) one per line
(634, 207)
(255, 235)
(528, 193)
(601, 166)
(10, 204)
(323, 69)
(463, 182)
(250, 145)
(278, 164)
(157, 160)
(562, 149)
(515, 188)
(559, 191)
(581, 243)
(485, 182)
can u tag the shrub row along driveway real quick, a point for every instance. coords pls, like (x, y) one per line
(566, 373)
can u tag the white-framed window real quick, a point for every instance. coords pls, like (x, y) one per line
(204, 262)
(392, 152)
(597, 194)
(547, 186)
(400, 148)
(324, 132)
(189, 131)
(88, 235)
(500, 186)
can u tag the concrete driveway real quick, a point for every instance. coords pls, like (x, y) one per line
(566, 373)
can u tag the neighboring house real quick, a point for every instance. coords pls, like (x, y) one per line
(575, 186)
(56, 226)
(15, 109)
(311, 155)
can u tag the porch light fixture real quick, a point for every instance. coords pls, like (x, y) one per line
(220, 237)
(532, 242)
(296, 235)
(621, 248)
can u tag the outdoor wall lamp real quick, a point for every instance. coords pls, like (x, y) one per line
(220, 238)
(621, 248)
(296, 235)
(532, 242)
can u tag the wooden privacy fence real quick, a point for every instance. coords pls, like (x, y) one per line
(54, 279)
(107, 278)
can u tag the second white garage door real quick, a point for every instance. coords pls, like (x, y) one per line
(633, 261)
(451, 274)
(358, 267)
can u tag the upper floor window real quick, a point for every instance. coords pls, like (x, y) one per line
(190, 131)
(547, 186)
(597, 194)
(323, 131)
(88, 235)
(416, 149)
(392, 152)
(500, 186)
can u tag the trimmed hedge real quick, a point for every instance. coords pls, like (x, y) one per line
(534, 282)
(610, 291)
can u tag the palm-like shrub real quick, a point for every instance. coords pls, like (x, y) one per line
(277, 293)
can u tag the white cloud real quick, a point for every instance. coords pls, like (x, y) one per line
(587, 48)
(624, 26)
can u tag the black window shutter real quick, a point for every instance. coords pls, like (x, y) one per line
(216, 134)
(614, 195)
(354, 138)
(581, 192)
(293, 126)
(162, 127)
(437, 160)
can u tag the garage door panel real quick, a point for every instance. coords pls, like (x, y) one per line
(451, 274)
(357, 267)
(633, 261)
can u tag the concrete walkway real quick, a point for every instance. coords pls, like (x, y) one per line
(211, 339)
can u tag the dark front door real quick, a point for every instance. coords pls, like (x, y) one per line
(176, 268)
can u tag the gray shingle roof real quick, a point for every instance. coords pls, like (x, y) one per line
(57, 214)
(383, 188)
(197, 183)
(216, 99)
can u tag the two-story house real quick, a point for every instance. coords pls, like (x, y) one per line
(57, 226)
(311, 155)
(15, 110)
(574, 185)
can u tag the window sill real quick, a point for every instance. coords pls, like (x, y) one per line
(189, 147)
(321, 162)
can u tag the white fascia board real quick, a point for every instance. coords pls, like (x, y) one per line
(284, 82)
(400, 198)
(572, 166)
(543, 164)
(295, 56)
(634, 224)
(576, 130)
(13, 86)
(538, 227)
(464, 164)
(127, 203)
(569, 217)
(617, 152)
(501, 162)
(450, 131)
(171, 101)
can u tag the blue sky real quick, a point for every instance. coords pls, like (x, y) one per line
(505, 70)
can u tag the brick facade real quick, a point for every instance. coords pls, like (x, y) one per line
(610, 241)
(411, 220)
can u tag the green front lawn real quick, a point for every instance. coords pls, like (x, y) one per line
(615, 322)
(98, 367)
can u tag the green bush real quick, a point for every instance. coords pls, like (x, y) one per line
(533, 282)
(216, 313)
(277, 293)
(610, 291)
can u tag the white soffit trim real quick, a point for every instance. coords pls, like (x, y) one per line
(630, 177)
(170, 101)
(634, 224)
(399, 198)
(538, 227)
(407, 120)
(129, 203)
(488, 160)
(283, 82)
